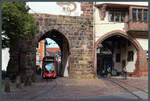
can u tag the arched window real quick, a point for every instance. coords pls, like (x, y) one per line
(130, 56)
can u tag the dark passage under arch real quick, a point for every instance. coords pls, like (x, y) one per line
(116, 52)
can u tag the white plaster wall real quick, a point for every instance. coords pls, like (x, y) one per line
(130, 65)
(5, 58)
(102, 27)
(143, 43)
(53, 8)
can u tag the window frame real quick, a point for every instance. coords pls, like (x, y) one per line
(142, 12)
(129, 57)
(114, 10)
(146, 15)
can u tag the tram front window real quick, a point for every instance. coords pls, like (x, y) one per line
(49, 67)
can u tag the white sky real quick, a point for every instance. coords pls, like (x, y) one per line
(132, 3)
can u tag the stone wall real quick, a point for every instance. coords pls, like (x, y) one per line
(87, 8)
(76, 43)
(79, 33)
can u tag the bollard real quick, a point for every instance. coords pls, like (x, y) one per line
(18, 82)
(7, 85)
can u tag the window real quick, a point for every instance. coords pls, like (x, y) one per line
(134, 14)
(139, 15)
(130, 56)
(122, 16)
(49, 67)
(116, 15)
(118, 57)
(111, 15)
(145, 15)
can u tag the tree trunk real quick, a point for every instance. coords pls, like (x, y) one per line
(22, 61)
(13, 64)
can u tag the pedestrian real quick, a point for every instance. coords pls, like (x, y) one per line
(114, 72)
(124, 70)
(39, 71)
(108, 71)
(103, 73)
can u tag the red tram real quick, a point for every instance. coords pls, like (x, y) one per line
(48, 67)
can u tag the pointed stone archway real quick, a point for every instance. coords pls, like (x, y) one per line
(77, 32)
(74, 35)
(63, 43)
(141, 65)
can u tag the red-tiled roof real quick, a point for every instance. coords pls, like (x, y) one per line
(53, 50)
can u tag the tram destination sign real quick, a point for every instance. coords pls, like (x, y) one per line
(49, 60)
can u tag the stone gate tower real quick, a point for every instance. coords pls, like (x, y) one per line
(74, 35)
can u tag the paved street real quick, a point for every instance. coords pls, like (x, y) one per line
(64, 88)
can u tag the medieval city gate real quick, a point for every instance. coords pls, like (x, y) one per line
(74, 35)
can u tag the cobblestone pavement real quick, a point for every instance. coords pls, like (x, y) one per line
(64, 88)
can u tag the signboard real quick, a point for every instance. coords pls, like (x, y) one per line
(48, 59)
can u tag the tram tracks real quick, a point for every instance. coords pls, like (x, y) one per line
(129, 88)
(133, 86)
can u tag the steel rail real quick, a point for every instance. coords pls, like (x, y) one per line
(126, 89)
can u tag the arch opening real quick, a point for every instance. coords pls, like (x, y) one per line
(60, 51)
(115, 51)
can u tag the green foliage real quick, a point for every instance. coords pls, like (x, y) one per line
(16, 21)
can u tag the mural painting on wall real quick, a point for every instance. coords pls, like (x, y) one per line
(67, 7)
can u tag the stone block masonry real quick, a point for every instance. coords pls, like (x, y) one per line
(74, 35)
(79, 33)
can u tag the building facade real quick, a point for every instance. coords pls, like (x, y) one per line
(121, 36)
(40, 53)
(91, 36)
